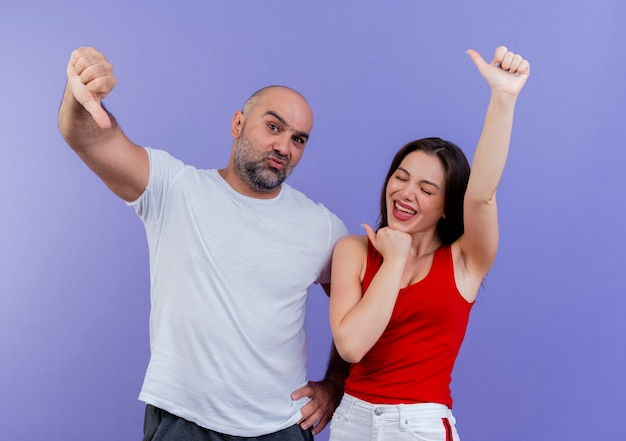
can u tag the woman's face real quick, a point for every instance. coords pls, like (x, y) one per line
(416, 193)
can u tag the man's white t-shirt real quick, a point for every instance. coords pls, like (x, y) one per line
(229, 279)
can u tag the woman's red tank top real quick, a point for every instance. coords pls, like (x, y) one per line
(412, 361)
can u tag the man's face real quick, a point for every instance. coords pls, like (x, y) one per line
(270, 139)
(263, 170)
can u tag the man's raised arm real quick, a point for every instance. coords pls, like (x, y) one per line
(92, 131)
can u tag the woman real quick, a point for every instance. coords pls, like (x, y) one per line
(401, 295)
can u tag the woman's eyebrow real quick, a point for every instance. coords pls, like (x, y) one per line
(423, 181)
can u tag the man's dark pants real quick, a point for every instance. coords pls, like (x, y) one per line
(160, 425)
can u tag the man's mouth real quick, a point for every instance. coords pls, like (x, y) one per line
(276, 163)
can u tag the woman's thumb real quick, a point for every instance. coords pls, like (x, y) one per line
(371, 234)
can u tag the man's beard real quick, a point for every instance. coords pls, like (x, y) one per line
(252, 166)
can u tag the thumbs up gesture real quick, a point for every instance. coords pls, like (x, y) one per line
(507, 71)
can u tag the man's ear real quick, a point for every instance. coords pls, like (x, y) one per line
(237, 124)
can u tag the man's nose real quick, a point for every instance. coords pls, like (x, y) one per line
(283, 144)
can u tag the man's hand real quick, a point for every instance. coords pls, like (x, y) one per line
(325, 397)
(90, 77)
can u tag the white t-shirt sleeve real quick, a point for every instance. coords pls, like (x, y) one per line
(164, 170)
(337, 230)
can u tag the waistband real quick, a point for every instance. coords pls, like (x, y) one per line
(396, 411)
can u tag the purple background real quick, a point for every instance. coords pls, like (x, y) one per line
(545, 353)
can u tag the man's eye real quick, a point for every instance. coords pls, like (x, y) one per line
(273, 127)
(299, 140)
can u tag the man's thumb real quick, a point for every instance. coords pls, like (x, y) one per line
(99, 115)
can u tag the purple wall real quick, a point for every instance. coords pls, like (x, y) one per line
(545, 353)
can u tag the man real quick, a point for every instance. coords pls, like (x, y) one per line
(232, 255)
